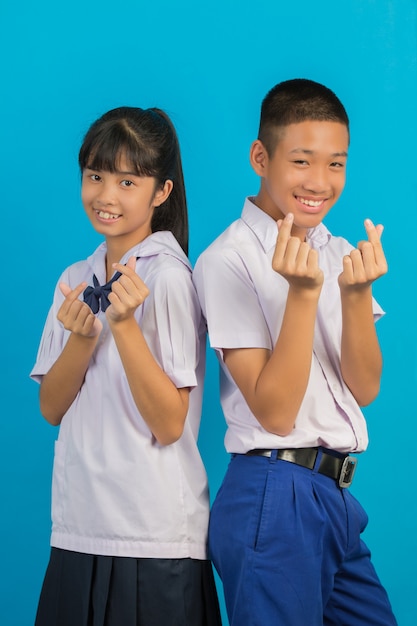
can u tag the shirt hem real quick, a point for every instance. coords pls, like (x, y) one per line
(133, 549)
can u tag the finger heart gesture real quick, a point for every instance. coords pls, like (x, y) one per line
(75, 315)
(365, 263)
(295, 260)
(128, 292)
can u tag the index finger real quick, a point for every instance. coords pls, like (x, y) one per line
(129, 271)
(284, 235)
(72, 294)
(284, 228)
(128, 268)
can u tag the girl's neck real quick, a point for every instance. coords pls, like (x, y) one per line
(113, 255)
(116, 249)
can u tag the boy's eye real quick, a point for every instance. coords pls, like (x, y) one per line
(337, 164)
(301, 162)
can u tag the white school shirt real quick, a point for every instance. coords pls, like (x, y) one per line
(115, 490)
(243, 300)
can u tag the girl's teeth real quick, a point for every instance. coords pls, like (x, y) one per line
(107, 216)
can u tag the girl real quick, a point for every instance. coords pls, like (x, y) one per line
(120, 367)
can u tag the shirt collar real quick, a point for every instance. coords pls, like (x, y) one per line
(161, 242)
(265, 228)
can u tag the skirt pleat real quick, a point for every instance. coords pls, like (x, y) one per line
(89, 590)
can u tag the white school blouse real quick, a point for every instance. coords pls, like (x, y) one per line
(243, 300)
(115, 490)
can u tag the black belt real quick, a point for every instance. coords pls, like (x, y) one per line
(340, 468)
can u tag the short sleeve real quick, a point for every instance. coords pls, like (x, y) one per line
(52, 341)
(377, 310)
(54, 335)
(172, 324)
(229, 302)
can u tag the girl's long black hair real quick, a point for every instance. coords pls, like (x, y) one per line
(148, 141)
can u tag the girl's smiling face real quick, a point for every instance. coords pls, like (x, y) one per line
(120, 204)
(305, 174)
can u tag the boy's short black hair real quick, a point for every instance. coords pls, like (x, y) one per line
(294, 101)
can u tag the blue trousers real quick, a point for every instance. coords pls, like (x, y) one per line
(286, 543)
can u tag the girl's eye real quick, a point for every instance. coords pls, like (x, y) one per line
(126, 183)
(95, 178)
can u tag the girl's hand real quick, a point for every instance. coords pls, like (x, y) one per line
(76, 316)
(128, 293)
(295, 260)
(365, 263)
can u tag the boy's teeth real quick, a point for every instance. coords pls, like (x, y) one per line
(310, 202)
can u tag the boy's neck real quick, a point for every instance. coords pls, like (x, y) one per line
(263, 201)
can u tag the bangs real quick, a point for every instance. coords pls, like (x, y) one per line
(105, 150)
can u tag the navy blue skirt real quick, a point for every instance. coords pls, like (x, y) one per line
(88, 590)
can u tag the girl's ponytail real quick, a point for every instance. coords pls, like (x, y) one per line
(172, 214)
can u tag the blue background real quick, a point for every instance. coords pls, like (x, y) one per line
(209, 65)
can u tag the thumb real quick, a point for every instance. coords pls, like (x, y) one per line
(65, 289)
(131, 263)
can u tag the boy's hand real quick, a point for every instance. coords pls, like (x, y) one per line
(365, 263)
(128, 292)
(295, 260)
(76, 316)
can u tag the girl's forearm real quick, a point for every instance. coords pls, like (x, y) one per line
(162, 406)
(61, 384)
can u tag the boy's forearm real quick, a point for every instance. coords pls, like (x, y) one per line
(162, 406)
(361, 359)
(62, 383)
(288, 369)
(274, 383)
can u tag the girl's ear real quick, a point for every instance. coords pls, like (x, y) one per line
(162, 194)
(258, 157)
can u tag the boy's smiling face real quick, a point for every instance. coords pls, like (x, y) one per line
(306, 173)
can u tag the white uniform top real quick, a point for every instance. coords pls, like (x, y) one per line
(115, 490)
(243, 300)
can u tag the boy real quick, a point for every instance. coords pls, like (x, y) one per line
(291, 318)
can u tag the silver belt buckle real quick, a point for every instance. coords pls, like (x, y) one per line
(347, 471)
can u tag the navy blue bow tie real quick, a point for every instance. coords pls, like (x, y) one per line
(99, 294)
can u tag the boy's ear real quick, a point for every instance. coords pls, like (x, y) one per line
(258, 157)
